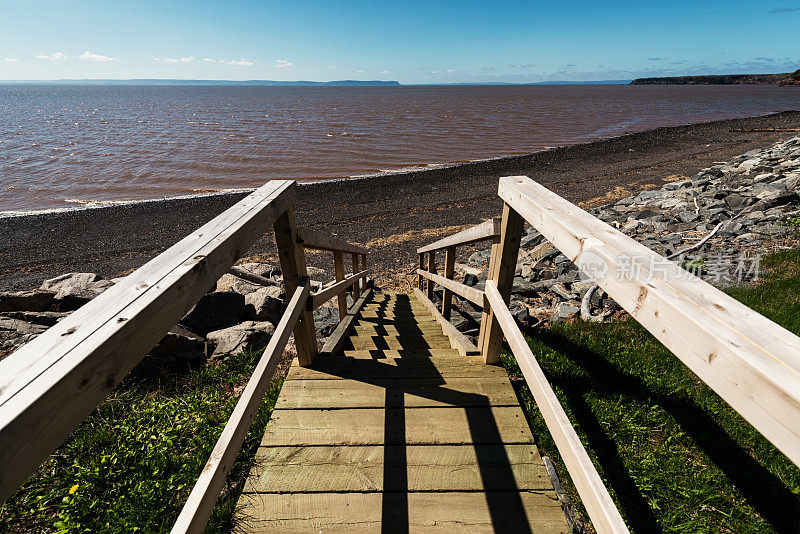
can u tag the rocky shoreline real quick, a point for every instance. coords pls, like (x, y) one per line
(715, 224)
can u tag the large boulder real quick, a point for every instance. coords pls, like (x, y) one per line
(215, 311)
(73, 290)
(264, 304)
(34, 301)
(252, 335)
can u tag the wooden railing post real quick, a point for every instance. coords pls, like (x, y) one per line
(502, 265)
(338, 267)
(293, 266)
(420, 279)
(431, 269)
(449, 271)
(357, 285)
(363, 268)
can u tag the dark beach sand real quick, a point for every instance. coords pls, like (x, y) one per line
(386, 213)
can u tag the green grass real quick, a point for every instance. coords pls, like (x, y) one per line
(131, 465)
(675, 457)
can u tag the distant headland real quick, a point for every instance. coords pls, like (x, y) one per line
(157, 81)
(786, 78)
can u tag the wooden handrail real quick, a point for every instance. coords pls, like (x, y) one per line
(480, 232)
(319, 241)
(470, 293)
(751, 362)
(204, 495)
(52, 383)
(594, 495)
(321, 297)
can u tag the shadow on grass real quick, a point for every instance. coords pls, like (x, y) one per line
(764, 491)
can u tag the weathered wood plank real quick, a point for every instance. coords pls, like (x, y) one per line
(419, 392)
(458, 340)
(402, 342)
(481, 232)
(423, 426)
(380, 368)
(338, 268)
(454, 512)
(321, 297)
(320, 241)
(502, 272)
(594, 495)
(53, 383)
(449, 271)
(438, 356)
(197, 510)
(470, 293)
(751, 362)
(427, 468)
(338, 337)
(293, 266)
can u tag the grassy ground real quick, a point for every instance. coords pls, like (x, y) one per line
(675, 457)
(131, 465)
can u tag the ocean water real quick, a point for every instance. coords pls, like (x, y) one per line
(65, 146)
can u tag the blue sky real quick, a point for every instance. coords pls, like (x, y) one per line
(410, 41)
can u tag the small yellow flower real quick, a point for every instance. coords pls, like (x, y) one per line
(73, 489)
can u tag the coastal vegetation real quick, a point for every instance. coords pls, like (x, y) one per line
(131, 465)
(673, 454)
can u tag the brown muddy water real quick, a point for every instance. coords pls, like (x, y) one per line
(64, 146)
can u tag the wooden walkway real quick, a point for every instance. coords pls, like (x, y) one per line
(399, 433)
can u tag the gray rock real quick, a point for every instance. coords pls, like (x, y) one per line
(264, 304)
(73, 290)
(229, 282)
(325, 320)
(215, 311)
(470, 280)
(738, 202)
(180, 345)
(250, 335)
(561, 290)
(20, 327)
(687, 216)
(562, 312)
(34, 301)
(44, 318)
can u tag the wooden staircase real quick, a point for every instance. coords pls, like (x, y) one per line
(398, 433)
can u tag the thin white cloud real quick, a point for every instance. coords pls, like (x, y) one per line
(10, 60)
(384, 72)
(90, 56)
(360, 70)
(57, 56)
(175, 60)
(237, 62)
(283, 63)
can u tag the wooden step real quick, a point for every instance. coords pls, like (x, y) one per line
(379, 369)
(364, 342)
(398, 330)
(413, 392)
(397, 426)
(446, 355)
(450, 512)
(378, 468)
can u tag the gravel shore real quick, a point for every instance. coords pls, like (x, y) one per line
(391, 214)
